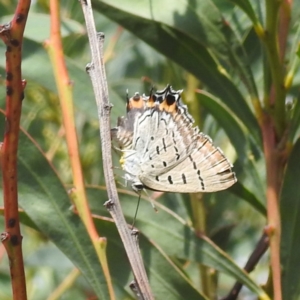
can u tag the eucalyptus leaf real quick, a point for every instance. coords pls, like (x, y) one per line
(45, 200)
(170, 233)
(290, 220)
(189, 52)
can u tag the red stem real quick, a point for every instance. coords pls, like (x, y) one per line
(12, 35)
(64, 87)
(273, 166)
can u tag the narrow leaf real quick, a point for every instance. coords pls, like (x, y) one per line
(187, 51)
(246, 6)
(46, 202)
(290, 220)
(168, 232)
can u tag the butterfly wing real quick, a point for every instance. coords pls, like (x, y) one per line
(163, 151)
(184, 160)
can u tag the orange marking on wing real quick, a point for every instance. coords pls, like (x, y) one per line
(170, 108)
(136, 101)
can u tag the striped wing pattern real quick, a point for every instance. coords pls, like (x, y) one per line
(163, 151)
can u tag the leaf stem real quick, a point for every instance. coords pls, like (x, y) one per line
(197, 203)
(63, 82)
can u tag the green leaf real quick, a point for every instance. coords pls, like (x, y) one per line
(193, 20)
(168, 232)
(41, 33)
(246, 6)
(241, 140)
(166, 280)
(46, 202)
(239, 190)
(290, 220)
(185, 48)
(36, 67)
(238, 134)
(36, 56)
(293, 113)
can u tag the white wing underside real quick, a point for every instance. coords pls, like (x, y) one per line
(173, 156)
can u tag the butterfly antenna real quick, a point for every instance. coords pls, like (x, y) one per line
(136, 211)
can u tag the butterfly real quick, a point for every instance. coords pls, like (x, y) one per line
(162, 150)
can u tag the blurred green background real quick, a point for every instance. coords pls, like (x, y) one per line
(209, 45)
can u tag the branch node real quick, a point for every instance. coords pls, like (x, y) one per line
(135, 232)
(134, 287)
(108, 107)
(4, 236)
(20, 18)
(5, 32)
(89, 67)
(109, 204)
(100, 36)
(24, 83)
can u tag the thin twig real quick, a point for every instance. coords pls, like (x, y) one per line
(253, 260)
(12, 35)
(97, 74)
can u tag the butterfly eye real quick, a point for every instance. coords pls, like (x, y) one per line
(137, 187)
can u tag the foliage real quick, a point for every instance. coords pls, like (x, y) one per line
(214, 45)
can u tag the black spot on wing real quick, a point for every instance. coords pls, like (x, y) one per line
(183, 178)
(152, 113)
(157, 150)
(145, 117)
(201, 180)
(207, 140)
(193, 162)
(173, 135)
(136, 141)
(170, 179)
(164, 120)
(164, 144)
(177, 154)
